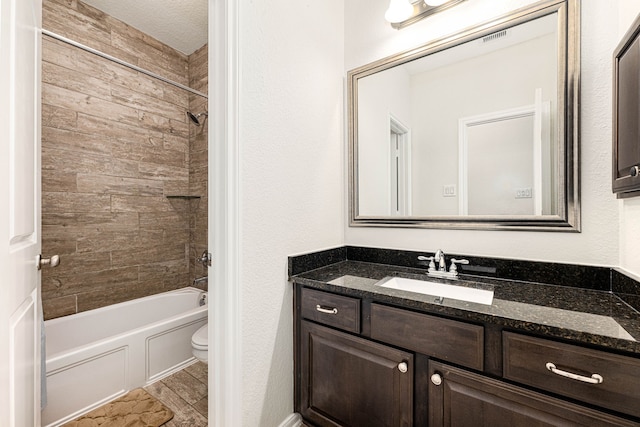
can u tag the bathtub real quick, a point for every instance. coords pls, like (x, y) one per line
(96, 356)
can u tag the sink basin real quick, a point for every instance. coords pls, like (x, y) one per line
(442, 290)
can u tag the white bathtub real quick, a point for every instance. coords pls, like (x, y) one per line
(98, 355)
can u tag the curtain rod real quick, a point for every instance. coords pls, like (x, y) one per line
(121, 62)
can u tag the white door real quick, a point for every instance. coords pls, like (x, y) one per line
(20, 22)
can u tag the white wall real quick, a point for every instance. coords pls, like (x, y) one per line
(368, 37)
(291, 154)
(629, 208)
(444, 95)
(380, 96)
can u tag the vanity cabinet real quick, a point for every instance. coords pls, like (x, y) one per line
(465, 399)
(365, 363)
(350, 381)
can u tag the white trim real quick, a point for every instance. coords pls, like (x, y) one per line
(293, 420)
(402, 152)
(537, 111)
(225, 326)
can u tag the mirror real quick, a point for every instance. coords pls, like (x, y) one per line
(476, 130)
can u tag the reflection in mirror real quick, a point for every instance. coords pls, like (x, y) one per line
(470, 131)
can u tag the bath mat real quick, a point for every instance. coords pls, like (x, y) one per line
(135, 409)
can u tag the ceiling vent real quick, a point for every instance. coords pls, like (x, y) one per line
(494, 36)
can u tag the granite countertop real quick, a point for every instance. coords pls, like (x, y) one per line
(582, 316)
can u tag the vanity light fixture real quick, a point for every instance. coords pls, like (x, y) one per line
(405, 12)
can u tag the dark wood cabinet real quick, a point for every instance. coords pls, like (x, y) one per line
(364, 363)
(459, 398)
(608, 380)
(350, 381)
(626, 114)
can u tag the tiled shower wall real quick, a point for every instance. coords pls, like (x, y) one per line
(198, 152)
(115, 143)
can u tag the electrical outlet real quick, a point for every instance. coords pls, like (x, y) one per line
(449, 190)
(524, 193)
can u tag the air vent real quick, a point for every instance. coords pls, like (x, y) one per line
(494, 36)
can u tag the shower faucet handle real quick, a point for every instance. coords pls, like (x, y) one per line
(205, 259)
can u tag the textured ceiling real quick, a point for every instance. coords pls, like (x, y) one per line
(182, 24)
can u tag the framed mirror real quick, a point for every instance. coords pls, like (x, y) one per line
(478, 130)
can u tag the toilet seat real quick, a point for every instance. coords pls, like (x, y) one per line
(200, 343)
(200, 339)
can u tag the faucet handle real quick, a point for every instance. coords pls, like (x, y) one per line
(432, 266)
(453, 267)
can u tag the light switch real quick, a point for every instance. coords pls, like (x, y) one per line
(449, 190)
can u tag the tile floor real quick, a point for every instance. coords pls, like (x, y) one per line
(185, 393)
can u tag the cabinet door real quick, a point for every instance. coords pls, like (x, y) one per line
(626, 127)
(465, 399)
(350, 381)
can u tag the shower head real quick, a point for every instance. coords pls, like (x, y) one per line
(195, 118)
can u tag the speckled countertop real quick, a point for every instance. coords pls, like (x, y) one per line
(582, 316)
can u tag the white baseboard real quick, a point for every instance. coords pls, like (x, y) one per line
(293, 420)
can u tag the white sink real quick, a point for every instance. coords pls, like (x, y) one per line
(444, 290)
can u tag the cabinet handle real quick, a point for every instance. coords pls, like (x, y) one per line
(403, 367)
(436, 379)
(594, 379)
(326, 310)
(635, 171)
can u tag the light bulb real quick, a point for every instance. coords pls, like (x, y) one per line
(434, 3)
(399, 10)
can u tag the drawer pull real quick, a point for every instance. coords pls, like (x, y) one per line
(326, 310)
(436, 379)
(594, 379)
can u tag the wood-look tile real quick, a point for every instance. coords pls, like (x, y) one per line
(186, 386)
(114, 142)
(60, 246)
(155, 272)
(66, 78)
(58, 181)
(149, 104)
(87, 223)
(80, 263)
(176, 143)
(164, 172)
(106, 184)
(175, 125)
(202, 406)
(142, 256)
(118, 293)
(117, 240)
(54, 285)
(61, 139)
(58, 307)
(91, 105)
(173, 187)
(184, 414)
(148, 154)
(54, 202)
(200, 371)
(171, 219)
(140, 204)
(58, 117)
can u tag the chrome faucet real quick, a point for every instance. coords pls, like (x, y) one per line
(439, 259)
(438, 265)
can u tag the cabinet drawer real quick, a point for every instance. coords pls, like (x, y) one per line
(527, 359)
(449, 340)
(333, 310)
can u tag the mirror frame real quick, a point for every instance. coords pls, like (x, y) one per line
(568, 217)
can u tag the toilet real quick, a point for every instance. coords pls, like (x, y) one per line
(200, 343)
